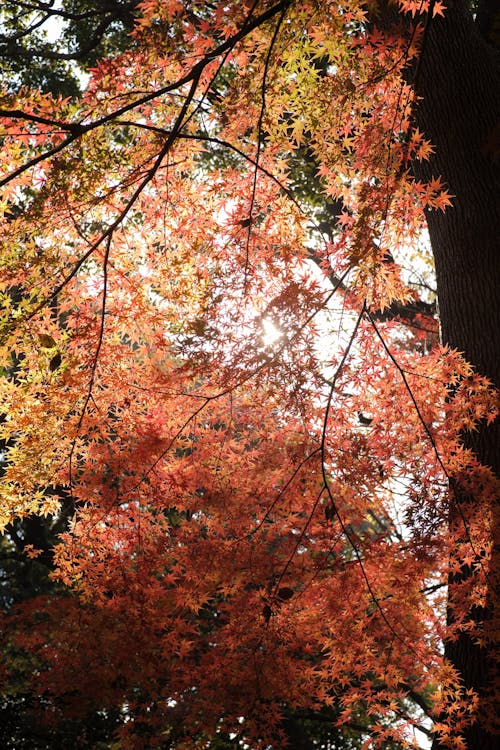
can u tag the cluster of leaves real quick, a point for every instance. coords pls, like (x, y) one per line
(258, 529)
(50, 45)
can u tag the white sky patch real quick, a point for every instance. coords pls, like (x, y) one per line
(54, 26)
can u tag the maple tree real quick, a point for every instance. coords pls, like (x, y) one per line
(270, 490)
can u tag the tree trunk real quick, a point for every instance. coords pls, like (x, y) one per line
(458, 78)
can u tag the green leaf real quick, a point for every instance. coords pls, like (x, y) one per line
(46, 341)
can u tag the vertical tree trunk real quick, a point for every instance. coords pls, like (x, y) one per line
(458, 78)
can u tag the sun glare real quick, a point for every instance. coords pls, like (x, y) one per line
(270, 334)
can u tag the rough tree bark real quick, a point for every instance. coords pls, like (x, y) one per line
(458, 78)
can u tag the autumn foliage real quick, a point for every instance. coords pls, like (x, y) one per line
(248, 422)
